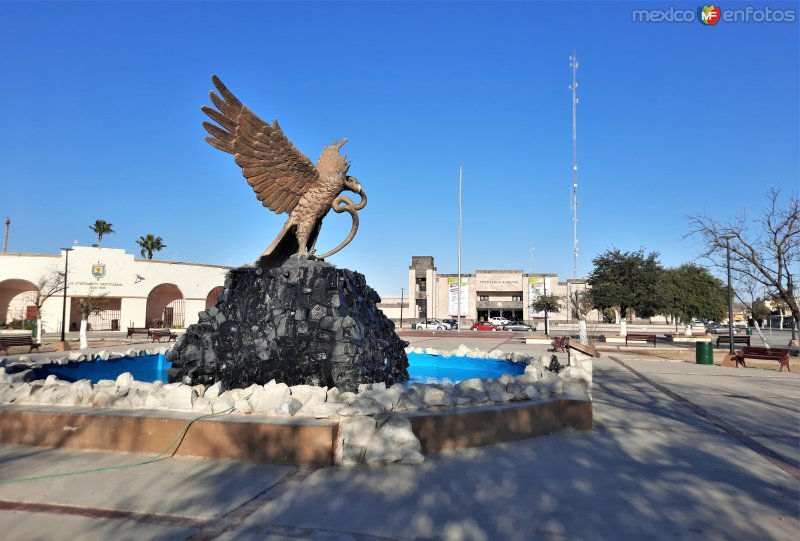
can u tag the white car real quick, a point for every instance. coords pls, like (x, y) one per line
(432, 324)
(498, 321)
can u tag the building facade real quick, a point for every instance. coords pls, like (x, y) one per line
(134, 292)
(483, 294)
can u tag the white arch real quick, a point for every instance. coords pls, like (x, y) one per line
(16, 296)
(213, 296)
(165, 306)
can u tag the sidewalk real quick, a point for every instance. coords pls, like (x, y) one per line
(679, 451)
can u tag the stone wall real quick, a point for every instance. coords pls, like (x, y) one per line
(305, 322)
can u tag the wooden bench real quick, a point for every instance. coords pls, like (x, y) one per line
(725, 339)
(641, 337)
(766, 354)
(560, 343)
(10, 340)
(138, 330)
(158, 334)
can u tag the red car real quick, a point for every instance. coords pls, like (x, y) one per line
(482, 326)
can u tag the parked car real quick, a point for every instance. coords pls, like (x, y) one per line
(451, 323)
(519, 326)
(483, 326)
(719, 328)
(432, 324)
(498, 321)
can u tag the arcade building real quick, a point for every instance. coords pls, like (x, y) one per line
(483, 294)
(136, 292)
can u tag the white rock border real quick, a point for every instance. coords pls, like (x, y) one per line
(372, 427)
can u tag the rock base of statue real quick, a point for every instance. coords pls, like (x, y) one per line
(305, 322)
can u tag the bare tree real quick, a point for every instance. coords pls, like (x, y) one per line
(581, 303)
(766, 250)
(48, 284)
(750, 293)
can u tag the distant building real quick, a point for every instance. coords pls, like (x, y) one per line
(139, 292)
(484, 294)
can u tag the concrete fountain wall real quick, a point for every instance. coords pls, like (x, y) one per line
(301, 424)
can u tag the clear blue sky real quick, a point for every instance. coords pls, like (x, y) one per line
(101, 119)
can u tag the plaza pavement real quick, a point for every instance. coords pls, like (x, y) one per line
(678, 451)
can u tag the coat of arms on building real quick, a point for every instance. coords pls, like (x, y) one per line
(99, 270)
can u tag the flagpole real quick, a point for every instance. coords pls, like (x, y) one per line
(460, 176)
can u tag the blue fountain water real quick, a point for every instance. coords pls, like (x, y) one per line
(143, 368)
(423, 368)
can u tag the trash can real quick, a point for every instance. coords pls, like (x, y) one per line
(413, 326)
(704, 353)
(749, 331)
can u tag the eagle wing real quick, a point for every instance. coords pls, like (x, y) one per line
(272, 165)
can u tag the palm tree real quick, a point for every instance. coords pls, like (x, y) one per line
(150, 244)
(101, 227)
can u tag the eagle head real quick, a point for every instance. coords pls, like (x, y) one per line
(333, 166)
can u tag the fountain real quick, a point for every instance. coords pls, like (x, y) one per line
(291, 317)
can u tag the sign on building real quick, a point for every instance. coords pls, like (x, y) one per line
(452, 296)
(536, 288)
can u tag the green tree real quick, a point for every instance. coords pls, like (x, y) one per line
(92, 305)
(101, 227)
(760, 311)
(149, 244)
(88, 306)
(690, 292)
(626, 280)
(547, 303)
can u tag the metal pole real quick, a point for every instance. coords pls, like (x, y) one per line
(730, 296)
(544, 287)
(402, 290)
(64, 303)
(574, 199)
(433, 295)
(460, 178)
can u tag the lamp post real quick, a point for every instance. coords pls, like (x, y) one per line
(730, 291)
(64, 303)
(530, 315)
(402, 291)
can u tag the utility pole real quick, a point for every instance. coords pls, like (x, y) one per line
(574, 194)
(5, 239)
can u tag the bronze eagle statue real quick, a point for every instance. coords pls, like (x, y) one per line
(282, 177)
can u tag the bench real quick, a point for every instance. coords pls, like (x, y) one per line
(138, 330)
(158, 334)
(17, 340)
(767, 354)
(641, 337)
(725, 339)
(560, 343)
